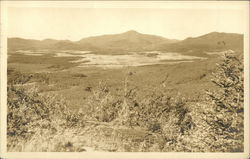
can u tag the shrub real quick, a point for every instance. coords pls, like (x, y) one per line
(102, 105)
(16, 77)
(29, 112)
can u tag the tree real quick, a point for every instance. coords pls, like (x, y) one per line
(226, 120)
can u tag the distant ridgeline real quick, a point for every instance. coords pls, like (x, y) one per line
(134, 41)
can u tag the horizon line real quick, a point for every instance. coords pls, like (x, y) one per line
(120, 33)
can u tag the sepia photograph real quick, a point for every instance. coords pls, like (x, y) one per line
(90, 77)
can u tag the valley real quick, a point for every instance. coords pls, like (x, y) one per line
(114, 90)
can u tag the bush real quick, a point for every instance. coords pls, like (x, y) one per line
(29, 112)
(126, 107)
(102, 105)
(16, 77)
(158, 113)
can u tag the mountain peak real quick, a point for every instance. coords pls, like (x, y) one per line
(131, 32)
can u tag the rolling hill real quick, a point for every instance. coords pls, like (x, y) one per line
(30, 44)
(214, 41)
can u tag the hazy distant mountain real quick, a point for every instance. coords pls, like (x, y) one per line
(130, 40)
(134, 41)
(214, 41)
(30, 44)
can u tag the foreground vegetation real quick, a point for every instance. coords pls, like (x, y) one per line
(126, 118)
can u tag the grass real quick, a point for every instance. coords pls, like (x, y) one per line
(130, 109)
(46, 61)
(184, 77)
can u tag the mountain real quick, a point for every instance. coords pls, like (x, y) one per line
(130, 40)
(30, 44)
(214, 41)
(134, 41)
(23, 44)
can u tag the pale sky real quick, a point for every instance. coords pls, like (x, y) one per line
(76, 23)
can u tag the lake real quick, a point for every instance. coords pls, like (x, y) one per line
(89, 59)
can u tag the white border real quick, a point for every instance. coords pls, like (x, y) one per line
(244, 5)
(131, 4)
(3, 79)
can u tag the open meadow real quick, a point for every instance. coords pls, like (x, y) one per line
(136, 102)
